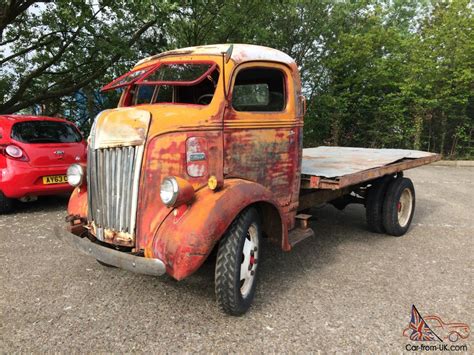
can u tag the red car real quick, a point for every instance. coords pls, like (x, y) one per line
(35, 153)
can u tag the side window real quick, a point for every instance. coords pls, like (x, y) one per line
(164, 93)
(259, 90)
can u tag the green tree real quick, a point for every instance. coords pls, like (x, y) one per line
(446, 66)
(376, 73)
(53, 50)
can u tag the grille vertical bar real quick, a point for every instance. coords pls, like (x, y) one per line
(112, 181)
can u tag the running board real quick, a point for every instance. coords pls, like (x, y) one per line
(302, 231)
(297, 235)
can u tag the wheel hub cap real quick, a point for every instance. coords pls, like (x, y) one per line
(404, 207)
(249, 260)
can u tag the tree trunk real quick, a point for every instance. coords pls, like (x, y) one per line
(443, 132)
(336, 129)
(418, 131)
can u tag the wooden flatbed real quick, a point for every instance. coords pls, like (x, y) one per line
(334, 168)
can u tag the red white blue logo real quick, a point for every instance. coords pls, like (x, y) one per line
(418, 329)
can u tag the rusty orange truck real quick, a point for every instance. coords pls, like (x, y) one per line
(204, 151)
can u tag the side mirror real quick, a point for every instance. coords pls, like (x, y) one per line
(303, 104)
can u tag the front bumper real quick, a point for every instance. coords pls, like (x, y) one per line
(138, 264)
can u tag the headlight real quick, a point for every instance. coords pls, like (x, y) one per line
(176, 191)
(75, 175)
(169, 191)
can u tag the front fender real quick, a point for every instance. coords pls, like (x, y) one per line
(188, 234)
(77, 205)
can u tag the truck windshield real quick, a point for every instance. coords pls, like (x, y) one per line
(180, 73)
(185, 83)
(45, 132)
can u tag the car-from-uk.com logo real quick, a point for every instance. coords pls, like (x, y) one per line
(440, 335)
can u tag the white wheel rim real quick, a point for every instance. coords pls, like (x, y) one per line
(249, 260)
(404, 207)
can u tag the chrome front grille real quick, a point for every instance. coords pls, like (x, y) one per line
(112, 182)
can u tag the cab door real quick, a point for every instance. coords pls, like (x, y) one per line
(262, 135)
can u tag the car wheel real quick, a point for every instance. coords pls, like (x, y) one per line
(6, 203)
(454, 336)
(236, 265)
(374, 204)
(398, 207)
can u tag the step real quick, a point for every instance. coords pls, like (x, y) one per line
(302, 220)
(297, 235)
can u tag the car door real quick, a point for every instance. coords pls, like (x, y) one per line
(262, 136)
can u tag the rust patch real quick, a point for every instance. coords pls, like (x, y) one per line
(166, 155)
(77, 204)
(121, 127)
(184, 246)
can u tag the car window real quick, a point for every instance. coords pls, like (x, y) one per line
(164, 93)
(251, 95)
(434, 322)
(259, 89)
(192, 92)
(45, 132)
(180, 72)
(127, 78)
(144, 94)
(176, 83)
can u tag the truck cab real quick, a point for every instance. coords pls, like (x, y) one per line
(203, 151)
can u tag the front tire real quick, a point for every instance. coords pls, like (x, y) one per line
(236, 265)
(6, 204)
(399, 207)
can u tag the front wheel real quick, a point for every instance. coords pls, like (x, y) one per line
(453, 336)
(236, 265)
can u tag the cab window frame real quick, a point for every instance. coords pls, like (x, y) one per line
(250, 66)
(128, 98)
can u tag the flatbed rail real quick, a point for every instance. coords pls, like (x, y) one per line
(334, 168)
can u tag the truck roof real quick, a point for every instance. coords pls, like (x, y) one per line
(240, 53)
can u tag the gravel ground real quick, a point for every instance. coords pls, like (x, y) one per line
(344, 290)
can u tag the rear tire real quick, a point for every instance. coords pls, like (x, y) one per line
(374, 204)
(236, 265)
(6, 204)
(399, 207)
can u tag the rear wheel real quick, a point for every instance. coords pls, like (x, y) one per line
(398, 207)
(6, 203)
(374, 204)
(236, 265)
